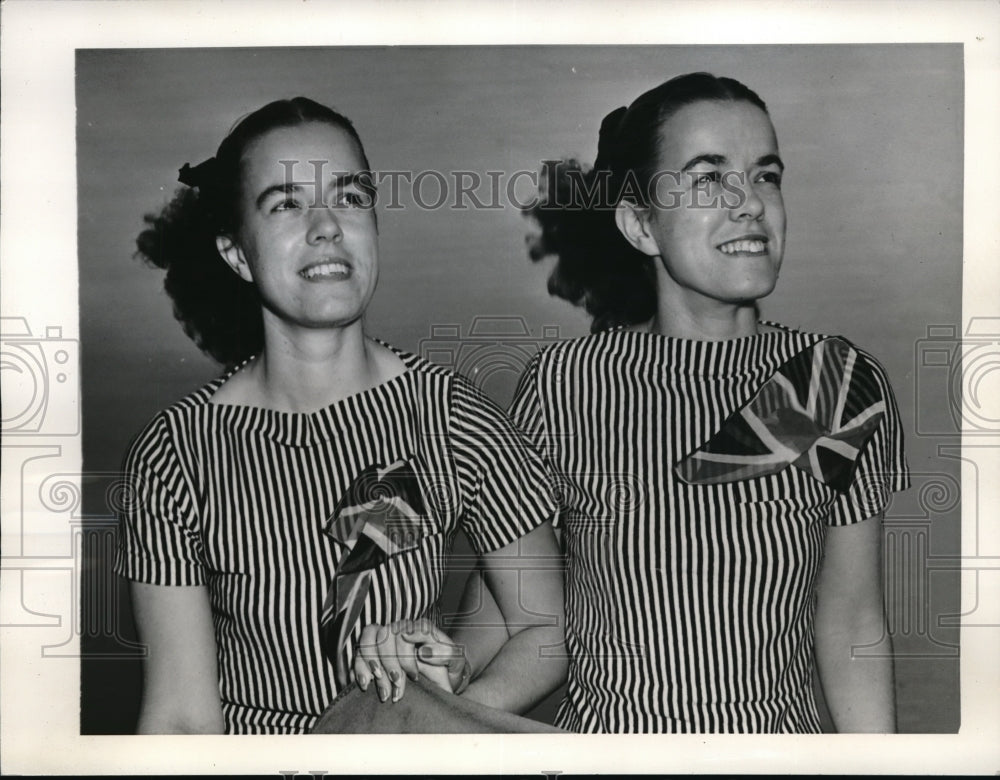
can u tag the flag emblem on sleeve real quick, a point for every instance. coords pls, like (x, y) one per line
(382, 513)
(815, 413)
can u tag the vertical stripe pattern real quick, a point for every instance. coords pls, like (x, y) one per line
(689, 606)
(235, 498)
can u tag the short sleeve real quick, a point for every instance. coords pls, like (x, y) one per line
(506, 487)
(881, 469)
(528, 416)
(158, 538)
(526, 408)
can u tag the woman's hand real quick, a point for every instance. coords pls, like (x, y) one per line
(409, 648)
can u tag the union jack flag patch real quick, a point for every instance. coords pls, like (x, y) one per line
(816, 412)
(383, 513)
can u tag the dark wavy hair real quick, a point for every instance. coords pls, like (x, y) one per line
(219, 311)
(596, 267)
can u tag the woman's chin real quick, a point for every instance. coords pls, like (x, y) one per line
(755, 289)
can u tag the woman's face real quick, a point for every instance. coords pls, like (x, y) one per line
(720, 229)
(307, 237)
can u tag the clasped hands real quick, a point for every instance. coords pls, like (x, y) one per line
(388, 655)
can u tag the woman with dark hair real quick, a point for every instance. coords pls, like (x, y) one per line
(762, 457)
(722, 478)
(286, 510)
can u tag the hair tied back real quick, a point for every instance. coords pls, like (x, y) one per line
(198, 176)
(607, 136)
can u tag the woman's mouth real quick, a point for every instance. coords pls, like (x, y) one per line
(744, 246)
(333, 269)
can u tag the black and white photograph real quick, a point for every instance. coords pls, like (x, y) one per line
(635, 390)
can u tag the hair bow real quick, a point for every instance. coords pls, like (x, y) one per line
(199, 175)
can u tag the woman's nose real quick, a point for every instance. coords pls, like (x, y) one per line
(749, 204)
(323, 224)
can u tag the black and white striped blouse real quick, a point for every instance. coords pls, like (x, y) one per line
(690, 606)
(235, 498)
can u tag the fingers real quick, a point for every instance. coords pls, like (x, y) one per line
(367, 666)
(451, 659)
(444, 654)
(393, 681)
(406, 651)
(435, 647)
(460, 674)
(433, 652)
(437, 676)
(400, 659)
(439, 654)
(387, 655)
(385, 658)
(423, 632)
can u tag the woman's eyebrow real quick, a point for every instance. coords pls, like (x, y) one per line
(711, 159)
(719, 159)
(283, 188)
(339, 180)
(770, 159)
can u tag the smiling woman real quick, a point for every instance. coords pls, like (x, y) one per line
(309, 244)
(755, 554)
(747, 556)
(310, 495)
(709, 253)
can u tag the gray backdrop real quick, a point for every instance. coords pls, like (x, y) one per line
(872, 137)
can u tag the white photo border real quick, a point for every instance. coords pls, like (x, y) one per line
(39, 712)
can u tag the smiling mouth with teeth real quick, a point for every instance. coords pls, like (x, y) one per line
(331, 270)
(750, 246)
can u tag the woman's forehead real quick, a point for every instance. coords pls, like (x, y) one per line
(301, 149)
(722, 128)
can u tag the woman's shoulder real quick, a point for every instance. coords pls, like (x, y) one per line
(593, 347)
(862, 362)
(179, 414)
(809, 337)
(195, 400)
(442, 382)
(414, 363)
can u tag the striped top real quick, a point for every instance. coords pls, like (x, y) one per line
(235, 498)
(689, 606)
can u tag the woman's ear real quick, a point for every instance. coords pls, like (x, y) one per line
(633, 222)
(230, 251)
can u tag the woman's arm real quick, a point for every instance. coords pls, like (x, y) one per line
(516, 661)
(850, 613)
(180, 674)
(526, 581)
(480, 628)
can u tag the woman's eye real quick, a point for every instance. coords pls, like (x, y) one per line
(354, 199)
(770, 177)
(705, 178)
(288, 204)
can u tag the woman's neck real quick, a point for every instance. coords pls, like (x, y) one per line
(305, 370)
(683, 312)
(704, 320)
